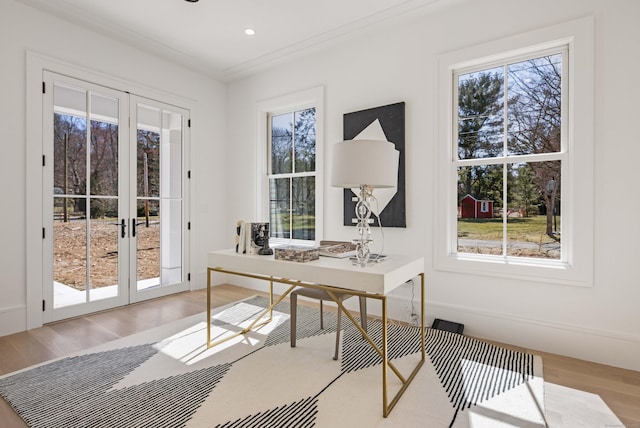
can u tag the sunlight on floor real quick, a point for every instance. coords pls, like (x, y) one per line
(495, 408)
(188, 346)
(568, 407)
(64, 295)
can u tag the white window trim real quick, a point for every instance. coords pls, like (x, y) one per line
(313, 97)
(577, 175)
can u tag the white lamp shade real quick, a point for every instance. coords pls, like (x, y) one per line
(364, 162)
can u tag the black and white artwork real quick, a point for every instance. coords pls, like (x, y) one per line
(379, 123)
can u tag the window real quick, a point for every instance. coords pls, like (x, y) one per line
(292, 168)
(513, 145)
(291, 183)
(509, 150)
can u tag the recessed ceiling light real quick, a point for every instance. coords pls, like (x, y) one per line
(250, 32)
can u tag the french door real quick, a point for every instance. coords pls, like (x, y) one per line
(114, 198)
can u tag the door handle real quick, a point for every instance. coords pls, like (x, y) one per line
(133, 227)
(123, 228)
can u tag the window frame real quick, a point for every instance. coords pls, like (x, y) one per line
(313, 97)
(576, 264)
(506, 158)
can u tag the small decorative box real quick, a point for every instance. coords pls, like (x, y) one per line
(295, 253)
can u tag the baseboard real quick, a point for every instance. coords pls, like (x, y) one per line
(572, 328)
(595, 345)
(13, 319)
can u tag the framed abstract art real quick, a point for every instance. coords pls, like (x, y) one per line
(379, 123)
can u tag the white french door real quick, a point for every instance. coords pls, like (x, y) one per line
(157, 203)
(114, 198)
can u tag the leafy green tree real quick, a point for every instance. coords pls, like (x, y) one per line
(479, 128)
(305, 140)
(526, 192)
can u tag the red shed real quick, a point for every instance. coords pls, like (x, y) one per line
(471, 207)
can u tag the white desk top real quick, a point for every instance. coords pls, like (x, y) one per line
(377, 278)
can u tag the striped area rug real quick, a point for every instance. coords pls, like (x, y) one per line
(167, 378)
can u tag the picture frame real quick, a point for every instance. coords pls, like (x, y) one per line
(384, 122)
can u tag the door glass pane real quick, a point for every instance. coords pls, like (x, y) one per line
(279, 208)
(69, 100)
(85, 237)
(70, 267)
(104, 145)
(148, 152)
(171, 199)
(103, 248)
(148, 243)
(171, 155)
(159, 197)
(148, 192)
(171, 239)
(69, 141)
(69, 251)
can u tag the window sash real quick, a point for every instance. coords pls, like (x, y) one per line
(505, 158)
(505, 63)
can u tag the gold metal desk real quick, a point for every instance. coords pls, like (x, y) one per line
(331, 275)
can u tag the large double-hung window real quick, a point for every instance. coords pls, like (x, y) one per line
(292, 174)
(516, 157)
(510, 150)
(291, 161)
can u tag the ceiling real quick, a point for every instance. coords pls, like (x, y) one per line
(208, 36)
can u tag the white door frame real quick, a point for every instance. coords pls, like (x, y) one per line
(36, 64)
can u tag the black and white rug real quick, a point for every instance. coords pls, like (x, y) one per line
(165, 377)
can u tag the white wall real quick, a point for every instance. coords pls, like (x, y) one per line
(25, 29)
(399, 63)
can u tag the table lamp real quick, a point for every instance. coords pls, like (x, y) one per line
(366, 165)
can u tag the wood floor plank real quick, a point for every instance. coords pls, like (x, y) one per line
(21, 350)
(618, 388)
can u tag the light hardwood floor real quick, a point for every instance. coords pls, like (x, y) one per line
(571, 385)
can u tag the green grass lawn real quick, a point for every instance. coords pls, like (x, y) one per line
(530, 229)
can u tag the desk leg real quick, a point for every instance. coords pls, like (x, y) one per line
(271, 305)
(405, 382)
(385, 360)
(424, 351)
(384, 354)
(208, 305)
